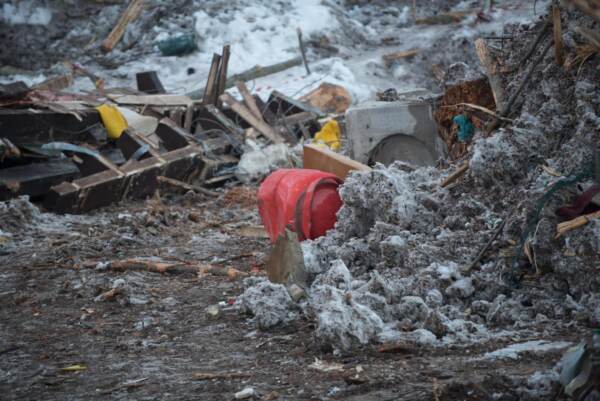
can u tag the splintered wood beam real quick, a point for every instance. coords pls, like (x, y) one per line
(130, 14)
(558, 41)
(456, 175)
(222, 81)
(249, 99)
(211, 83)
(492, 72)
(247, 115)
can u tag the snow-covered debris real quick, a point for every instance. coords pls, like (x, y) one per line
(513, 351)
(269, 303)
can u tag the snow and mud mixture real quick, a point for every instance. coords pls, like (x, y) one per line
(395, 268)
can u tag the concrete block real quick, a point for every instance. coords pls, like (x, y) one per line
(388, 131)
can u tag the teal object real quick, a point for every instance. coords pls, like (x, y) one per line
(465, 127)
(178, 45)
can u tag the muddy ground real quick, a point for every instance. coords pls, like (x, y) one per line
(148, 342)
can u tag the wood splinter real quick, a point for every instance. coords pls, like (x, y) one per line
(456, 175)
(558, 42)
(577, 222)
(184, 185)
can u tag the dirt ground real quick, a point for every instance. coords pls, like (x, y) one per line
(59, 342)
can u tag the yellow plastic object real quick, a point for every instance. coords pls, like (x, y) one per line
(113, 120)
(329, 135)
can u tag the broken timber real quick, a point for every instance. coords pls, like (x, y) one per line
(130, 14)
(249, 100)
(319, 158)
(134, 180)
(222, 81)
(492, 72)
(148, 82)
(35, 179)
(253, 73)
(22, 126)
(247, 115)
(210, 91)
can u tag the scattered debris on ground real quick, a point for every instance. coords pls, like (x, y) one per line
(300, 200)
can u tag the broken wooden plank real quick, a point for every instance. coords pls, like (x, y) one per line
(210, 91)
(389, 58)
(444, 18)
(151, 100)
(188, 119)
(129, 15)
(222, 79)
(249, 100)
(253, 73)
(148, 82)
(134, 180)
(558, 41)
(41, 126)
(252, 232)
(55, 84)
(35, 179)
(129, 144)
(320, 158)
(282, 105)
(211, 119)
(247, 115)
(456, 175)
(492, 72)
(172, 136)
(140, 179)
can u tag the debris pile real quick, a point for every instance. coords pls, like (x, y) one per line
(427, 264)
(77, 152)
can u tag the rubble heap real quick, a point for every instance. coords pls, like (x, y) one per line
(399, 266)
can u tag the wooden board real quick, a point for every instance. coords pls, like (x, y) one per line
(247, 115)
(130, 14)
(152, 100)
(318, 158)
(249, 99)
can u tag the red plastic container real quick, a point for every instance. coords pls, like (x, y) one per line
(303, 200)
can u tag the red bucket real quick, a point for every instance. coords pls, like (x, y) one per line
(303, 200)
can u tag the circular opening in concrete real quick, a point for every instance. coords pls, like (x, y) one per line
(404, 148)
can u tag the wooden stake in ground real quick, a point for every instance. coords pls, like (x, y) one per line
(211, 82)
(492, 72)
(130, 14)
(303, 51)
(507, 108)
(247, 115)
(558, 42)
(222, 81)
